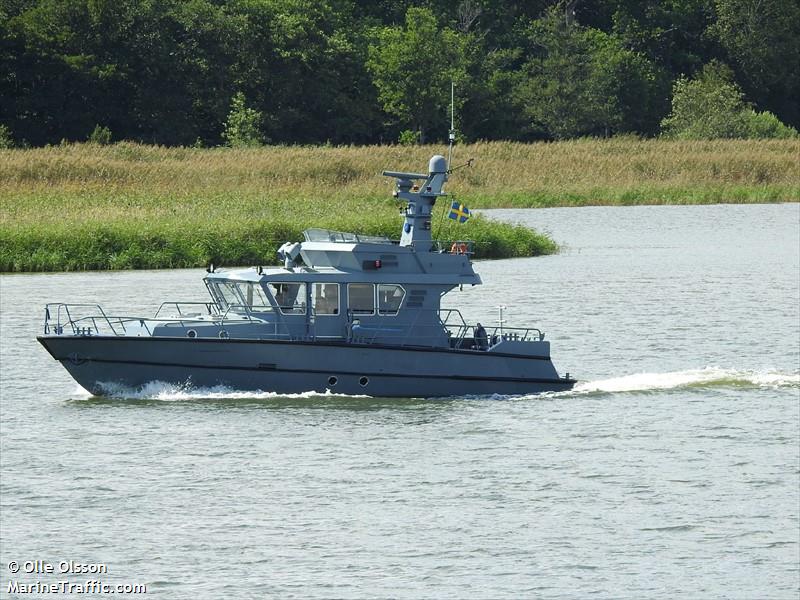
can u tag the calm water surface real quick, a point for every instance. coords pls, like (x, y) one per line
(673, 469)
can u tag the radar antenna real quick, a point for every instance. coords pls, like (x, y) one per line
(452, 134)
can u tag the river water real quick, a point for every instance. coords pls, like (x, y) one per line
(672, 470)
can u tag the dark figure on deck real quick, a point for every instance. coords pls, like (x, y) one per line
(481, 341)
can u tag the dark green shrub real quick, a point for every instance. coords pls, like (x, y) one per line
(242, 125)
(6, 141)
(711, 106)
(707, 107)
(100, 135)
(765, 125)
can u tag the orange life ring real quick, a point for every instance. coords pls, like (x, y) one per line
(458, 248)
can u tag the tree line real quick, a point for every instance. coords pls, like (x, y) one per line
(213, 72)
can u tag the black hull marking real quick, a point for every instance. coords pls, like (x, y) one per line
(43, 339)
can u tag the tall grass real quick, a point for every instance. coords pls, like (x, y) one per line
(133, 206)
(193, 243)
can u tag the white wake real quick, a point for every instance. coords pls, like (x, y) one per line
(708, 376)
(639, 382)
(159, 390)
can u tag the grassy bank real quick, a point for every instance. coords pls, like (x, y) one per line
(133, 206)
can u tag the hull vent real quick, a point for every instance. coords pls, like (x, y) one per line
(416, 298)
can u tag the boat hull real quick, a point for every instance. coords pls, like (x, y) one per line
(102, 364)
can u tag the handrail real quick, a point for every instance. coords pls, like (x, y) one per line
(449, 329)
(89, 325)
(339, 237)
(69, 321)
(342, 237)
(456, 332)
(211, 307)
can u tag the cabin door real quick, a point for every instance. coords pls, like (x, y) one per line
(327, 320)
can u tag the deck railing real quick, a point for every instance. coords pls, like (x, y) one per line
(343, 237)
(182, 309)
(87, 324)
(450, 321)
(91, 319)
(448, 329)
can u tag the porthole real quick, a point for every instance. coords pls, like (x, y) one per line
(191, 333)
(364, 381)
(332, 380)
(223, 335)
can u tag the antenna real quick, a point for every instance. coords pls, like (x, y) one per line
(452, 135)
(500, 319)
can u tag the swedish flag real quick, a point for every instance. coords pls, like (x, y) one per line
(459, 212)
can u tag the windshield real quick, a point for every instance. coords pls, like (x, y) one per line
(240, 296)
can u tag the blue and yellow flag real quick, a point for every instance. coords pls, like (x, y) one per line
(459, 212)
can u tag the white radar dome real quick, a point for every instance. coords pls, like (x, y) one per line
(437, 164)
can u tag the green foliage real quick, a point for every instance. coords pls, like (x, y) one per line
(765, 125)
(100, 135)
(408, 137)
(412, 68)
(6, 141)
(712, 106)
(761, 41)
(707, 107)
(671, 33)
(494, 239)
(242, 126)
(301, 63)
(584, 82)
(126, 205)
(181, 243)
(356, 72)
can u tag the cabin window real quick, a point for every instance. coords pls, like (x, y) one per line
(230, 294)
(390, 297)
(290, 297)
(242, 295)
(325, 298)
(254, 296)
(361, 298)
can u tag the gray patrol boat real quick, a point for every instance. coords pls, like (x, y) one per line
(346, 313)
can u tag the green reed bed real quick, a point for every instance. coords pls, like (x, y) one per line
(127, 205)
(162, 236)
